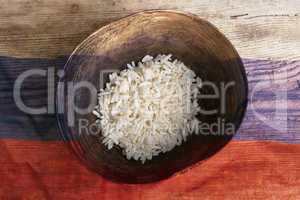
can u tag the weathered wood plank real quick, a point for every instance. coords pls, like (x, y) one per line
(242, 170)
(258, 29)
(273, 110)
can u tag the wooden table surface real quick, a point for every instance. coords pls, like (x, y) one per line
(263, 160)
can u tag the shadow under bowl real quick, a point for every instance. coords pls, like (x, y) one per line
(188, 38)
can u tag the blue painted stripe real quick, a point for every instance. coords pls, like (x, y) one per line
(18, 125)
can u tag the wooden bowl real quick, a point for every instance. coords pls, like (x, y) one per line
(190, 39)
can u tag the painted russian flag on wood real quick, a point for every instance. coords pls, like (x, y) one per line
(261, 161)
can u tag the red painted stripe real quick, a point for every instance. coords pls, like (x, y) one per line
(241, 170)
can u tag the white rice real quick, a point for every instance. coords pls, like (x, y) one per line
(150, 108)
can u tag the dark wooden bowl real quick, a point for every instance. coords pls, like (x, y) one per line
(190, 39)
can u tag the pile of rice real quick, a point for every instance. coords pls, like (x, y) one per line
(149, 108)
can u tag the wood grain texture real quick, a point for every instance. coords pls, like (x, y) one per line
(34, 33)
(40, 28)
(274, 92)
(242, 170)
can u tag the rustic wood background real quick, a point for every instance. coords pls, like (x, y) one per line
(261, 163)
